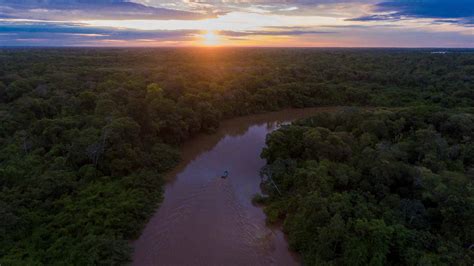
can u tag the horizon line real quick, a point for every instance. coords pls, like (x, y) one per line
(234, 47)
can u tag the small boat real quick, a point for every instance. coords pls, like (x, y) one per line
(225, 175)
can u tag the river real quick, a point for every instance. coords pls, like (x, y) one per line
(207, 220)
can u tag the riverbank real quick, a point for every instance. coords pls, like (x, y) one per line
(206, 220)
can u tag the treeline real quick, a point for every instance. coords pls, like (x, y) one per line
(376, 187)
(86, 134)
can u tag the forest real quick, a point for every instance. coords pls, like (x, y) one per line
(86, 135)
(377, 187)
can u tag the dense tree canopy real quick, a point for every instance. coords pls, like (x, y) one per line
(86, 134)
(376, 187)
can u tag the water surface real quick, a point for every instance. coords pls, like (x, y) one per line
(207, 220)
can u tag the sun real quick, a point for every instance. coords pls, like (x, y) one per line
(210, 38)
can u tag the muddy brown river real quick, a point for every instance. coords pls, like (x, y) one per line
(207, 220)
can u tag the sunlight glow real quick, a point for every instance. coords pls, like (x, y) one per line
(234, 21)
(210, 38)
(261, 29)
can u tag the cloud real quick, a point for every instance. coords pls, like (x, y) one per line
(68, 10)
(285, 32)
(429, 8)
(287, 7)
(76, 34)
(377, 17)
(454, 11)
(66, 34)
(297, 22)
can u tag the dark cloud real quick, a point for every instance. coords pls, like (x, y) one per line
(467, 22)
(446, 21)
(14, 34)
(369, 27)
(384, 17)
(66, 10)
(58, 2)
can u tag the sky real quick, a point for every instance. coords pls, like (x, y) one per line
(267, 23)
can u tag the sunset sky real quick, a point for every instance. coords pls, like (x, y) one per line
(303, 23)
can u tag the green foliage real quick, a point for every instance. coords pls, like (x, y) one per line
(86, 134)
(376, 187)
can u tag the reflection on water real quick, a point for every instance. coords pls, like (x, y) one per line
(207, 220)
